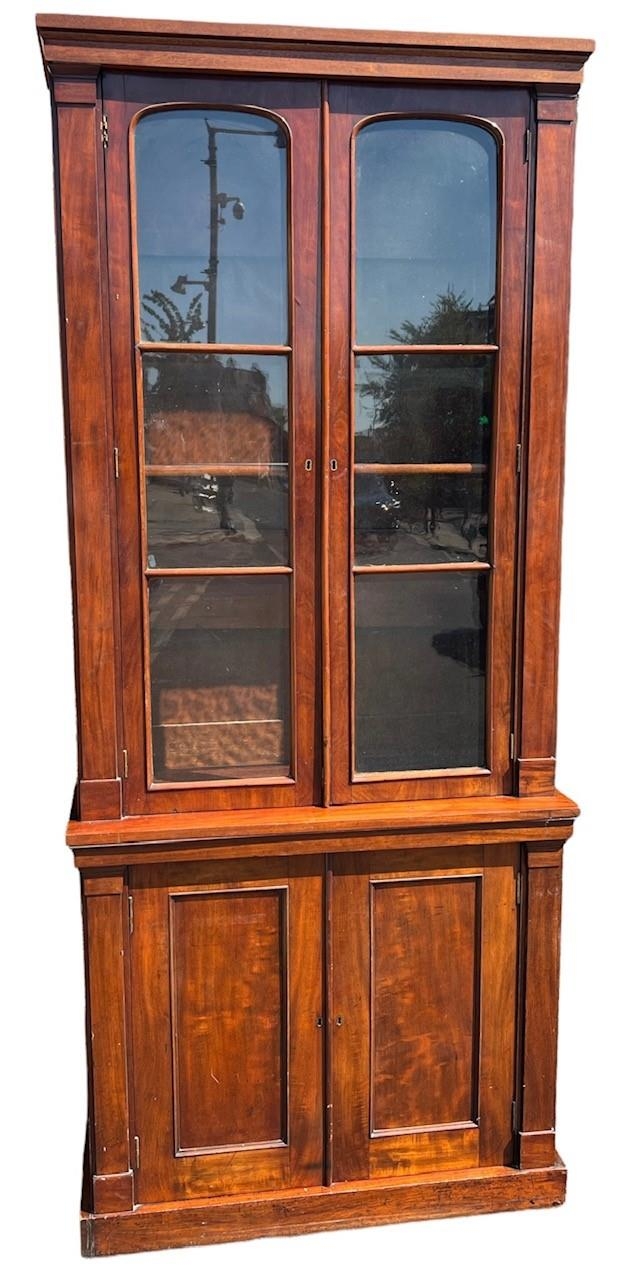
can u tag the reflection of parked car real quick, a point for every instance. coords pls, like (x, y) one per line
(376, 504)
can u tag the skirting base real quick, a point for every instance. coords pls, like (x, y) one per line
(354, 1204)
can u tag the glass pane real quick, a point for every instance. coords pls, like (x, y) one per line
(211, 227)
(206, 521)
(220, 677)
(420, 671)
(426, 232)
(417, 519)
(419, 408)
(203, 409)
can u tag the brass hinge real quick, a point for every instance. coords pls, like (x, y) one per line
(526, 146)
(124, 762)
(512, 747)
(116, 462)
(104, 131)
(514, 1115)
(131, 914)
(136, 1144)
(518, 888)
(518, 458)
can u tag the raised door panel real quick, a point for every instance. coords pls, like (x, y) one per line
(227, 1028)
(424, 980)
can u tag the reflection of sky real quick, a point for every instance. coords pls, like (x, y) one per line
(173, 218)
(426, 220)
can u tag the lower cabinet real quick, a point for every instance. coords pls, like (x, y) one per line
(296, 1023)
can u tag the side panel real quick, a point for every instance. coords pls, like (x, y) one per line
(84, 338)
(545, 471)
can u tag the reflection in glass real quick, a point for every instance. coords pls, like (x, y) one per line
(220, 677)
(211, 227)
(206, 521)
(419, 671)
(418, 519)
(423, 408)
(425, 232)
(203, 409)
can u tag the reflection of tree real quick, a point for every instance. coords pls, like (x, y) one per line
(163, 321)
(452, 319)
(431, 407)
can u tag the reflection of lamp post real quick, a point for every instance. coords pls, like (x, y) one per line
(218, 201)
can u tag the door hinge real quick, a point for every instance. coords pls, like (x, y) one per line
(518, 888)
(518, 459)
(116, 462)
(131, 913)
(124, 762)
(104, 131)
(526, 146)
(514, 1115)
(512, 747)
(136, 1145)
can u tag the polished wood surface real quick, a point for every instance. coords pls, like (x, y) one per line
(104, 919)
(325, 999)
(228, 1088)
(84, 344)
(423, 1046)
(87, 42)
(484, 813)
(424, 1002)
(362, 1204)
(547, 403)
(540, 1007)
(229, 964)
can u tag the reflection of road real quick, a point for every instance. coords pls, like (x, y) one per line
(420, 685)
(185, 513)
(408, 545)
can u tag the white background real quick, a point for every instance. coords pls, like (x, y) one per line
(43, 1054)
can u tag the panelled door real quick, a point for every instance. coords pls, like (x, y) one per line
(424, 1011)
(228, 1040)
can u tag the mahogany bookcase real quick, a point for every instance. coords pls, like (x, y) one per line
(314, 293)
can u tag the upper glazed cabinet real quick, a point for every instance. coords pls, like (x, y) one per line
(317, 513)
(314, 314)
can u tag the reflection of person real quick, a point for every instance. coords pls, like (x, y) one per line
(225, 496)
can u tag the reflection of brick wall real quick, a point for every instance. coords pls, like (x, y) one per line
(189, 749)
(200, 729)
(185, 437)
(220, 700)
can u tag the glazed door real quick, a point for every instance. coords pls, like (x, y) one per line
(424, 1011)
(426, 243)
(213, 268)
(226, 971)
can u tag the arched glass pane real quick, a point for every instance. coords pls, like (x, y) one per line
(212, 227)
(426, 230)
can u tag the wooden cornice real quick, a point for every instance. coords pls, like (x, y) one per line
(74, 45)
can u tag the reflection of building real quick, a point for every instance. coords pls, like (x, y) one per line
(204, 411)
